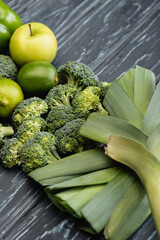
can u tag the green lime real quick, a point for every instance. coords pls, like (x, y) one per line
(10, 95)
(37, 78)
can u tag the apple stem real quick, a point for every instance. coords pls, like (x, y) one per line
(30, 29)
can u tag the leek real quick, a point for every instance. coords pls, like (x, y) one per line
(119, 104)
(54, 180)
(93, 178)
(99, 127)
(152, 116)
(144, 163)
(153, 142)
(144, 86)
(83, 162)
(74, 199)
(129, 214)
(98, 211)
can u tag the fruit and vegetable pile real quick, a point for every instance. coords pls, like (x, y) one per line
(74, 134)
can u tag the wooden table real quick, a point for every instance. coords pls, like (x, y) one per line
(110, 37)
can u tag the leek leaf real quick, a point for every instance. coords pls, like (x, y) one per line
(99, 127)
(119, 104)
(152, 116)
(129, 214)
(144, 86)
(144, 163)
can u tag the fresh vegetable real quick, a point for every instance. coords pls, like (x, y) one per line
(59, 116)
(79, 163)
(60, 95)
(5, 131)
(77, 74)
(28, 108)
(9, 22)
(9, 152)
(88, 100)
(68, 139)
(144, 163)
(36, 152)
(8, 68)
(29, 128)
(129, 214)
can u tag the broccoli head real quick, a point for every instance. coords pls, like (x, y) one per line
(68, 145)
(77, 74)
(60, 95)
(8, 68)
(9, 152)
(88, 100)
(29, 128)
(32, 156)
(59, 116)
(70, 131)
(31, 107)
(38, 151)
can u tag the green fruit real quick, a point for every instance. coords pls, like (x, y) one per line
(10, 95)
(37, 78)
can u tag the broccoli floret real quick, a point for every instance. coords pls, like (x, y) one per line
(104, 86)
(68, 145)
(8, 68)
(88, 100)
(31, 107)
(29, 128)
(37, 152)
(60, 95)
(59, 116)
(5, 131)
(70, 130)
(9, 153)
(77, 74)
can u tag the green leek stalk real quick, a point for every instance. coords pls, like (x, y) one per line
(129, 214)
(55, 180)
(144, 163)
(99, 209)
(84, 162)
(93, 178)
(74, 199)
(99, 127)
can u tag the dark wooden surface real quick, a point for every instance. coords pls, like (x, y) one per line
(110, 37)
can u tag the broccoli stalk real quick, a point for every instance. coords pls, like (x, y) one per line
(5, 131)
(77, 74)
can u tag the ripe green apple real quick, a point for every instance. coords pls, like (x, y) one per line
(33, 42)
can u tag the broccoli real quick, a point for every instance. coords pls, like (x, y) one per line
(77, 74)
(68, 145)
(8, 68)
(37, 152)
(88, 100)
(29, 128)
(59, 116)
(104, 86)
(5, 131)
(9, 152)
(60, 95)
(70, 131)
(31, 107)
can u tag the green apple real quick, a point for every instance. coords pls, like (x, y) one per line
(33, 42)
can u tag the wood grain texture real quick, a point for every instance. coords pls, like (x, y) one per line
(109, 36)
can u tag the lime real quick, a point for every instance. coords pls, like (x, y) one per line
(37, 78)
(10, 95)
